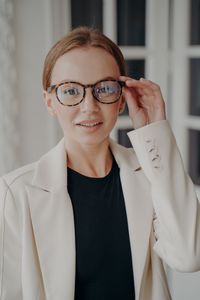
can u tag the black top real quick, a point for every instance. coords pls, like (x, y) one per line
(103, 256)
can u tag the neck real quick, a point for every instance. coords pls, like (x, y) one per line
(90, 160)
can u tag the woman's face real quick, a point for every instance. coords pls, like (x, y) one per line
(89, 122)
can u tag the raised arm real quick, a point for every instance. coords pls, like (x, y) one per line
(177, 209)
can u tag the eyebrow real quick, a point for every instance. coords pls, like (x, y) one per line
(70, 80)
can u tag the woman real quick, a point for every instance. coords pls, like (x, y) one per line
(91, 219)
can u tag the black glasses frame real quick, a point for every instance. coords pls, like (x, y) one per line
(55, 87)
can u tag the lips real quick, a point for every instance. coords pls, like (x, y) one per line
(89, 123)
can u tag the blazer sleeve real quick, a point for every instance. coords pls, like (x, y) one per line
(10, 252)
(177, 210)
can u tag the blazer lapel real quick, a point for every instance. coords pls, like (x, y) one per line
(53, 224)
(136, 190)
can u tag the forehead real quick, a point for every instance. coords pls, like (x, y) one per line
(86, 65)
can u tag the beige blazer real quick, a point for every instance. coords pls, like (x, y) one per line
(37, 237)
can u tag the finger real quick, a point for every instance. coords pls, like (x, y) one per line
(143, 87)
(134, 93)
(142, 80)
(130, 82)
(154, 86)
(124, 78)
(144, 91)
(131, 98)
(140, 87)
(143, 83)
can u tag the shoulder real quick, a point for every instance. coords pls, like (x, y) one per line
(13, 192)
(47, 164)
(19, 176)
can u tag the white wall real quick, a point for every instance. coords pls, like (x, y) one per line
(35, 124)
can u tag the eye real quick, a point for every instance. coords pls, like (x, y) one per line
(108, 89)
(72, 91)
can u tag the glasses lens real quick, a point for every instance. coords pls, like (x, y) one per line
(70, 93)
(108, 91)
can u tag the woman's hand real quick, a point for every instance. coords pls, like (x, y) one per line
(144, 100)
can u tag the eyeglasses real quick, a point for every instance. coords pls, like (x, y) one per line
(73, 93)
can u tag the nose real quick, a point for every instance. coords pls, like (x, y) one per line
(89, 103)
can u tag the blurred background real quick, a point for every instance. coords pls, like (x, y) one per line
(160, 40)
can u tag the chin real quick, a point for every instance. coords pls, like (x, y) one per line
(92, 141)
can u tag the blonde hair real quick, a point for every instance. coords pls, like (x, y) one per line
(77, 38)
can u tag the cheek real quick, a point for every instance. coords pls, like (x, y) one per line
(65, 115)
(115, 108)
(113, 112)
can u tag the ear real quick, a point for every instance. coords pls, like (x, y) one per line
(49, 103)
(122, 104)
